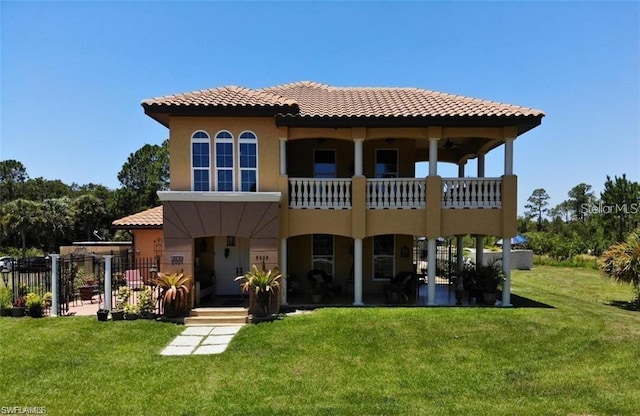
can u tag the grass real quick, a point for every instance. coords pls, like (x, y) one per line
(579, 260)
(578, 357)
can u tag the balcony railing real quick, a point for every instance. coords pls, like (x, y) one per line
(395, 193)
(471, 193)
(319, 193)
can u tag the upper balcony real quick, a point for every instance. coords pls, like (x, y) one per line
(391, 193)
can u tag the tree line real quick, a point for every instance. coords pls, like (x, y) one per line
(584, 222)
(45, 214)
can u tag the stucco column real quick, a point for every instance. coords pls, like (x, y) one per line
(54, 284)
(433, 156)
(283, 270)
(431, 272)
(479, 250)
(107, 282)
(357, 156)
(508, 156)
(460, 238)
(481, 165)
(357, 272)
(506, 268)
(283, 156)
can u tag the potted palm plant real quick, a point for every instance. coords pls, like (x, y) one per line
(489, 278)
(174, 292)
(264, 288)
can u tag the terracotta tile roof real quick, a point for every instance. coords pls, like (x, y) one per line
(229, 96)
(312, 99)
(321, 100)
(151, 218)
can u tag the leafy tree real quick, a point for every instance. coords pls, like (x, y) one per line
(145, 172)
(22, 216)
(12, 175)
(620, 206)
(562, 211)
(90, 214)
(57, 222)
(536, 207)
(621, 262)
(580, 198)
(39, 189)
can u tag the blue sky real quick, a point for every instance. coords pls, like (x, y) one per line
(73, 74)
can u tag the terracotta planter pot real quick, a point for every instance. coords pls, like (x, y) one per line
(272, 304)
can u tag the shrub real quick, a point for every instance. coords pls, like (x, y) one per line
(621, 262)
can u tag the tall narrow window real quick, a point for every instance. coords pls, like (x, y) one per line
(224, 162)
(323, 253)
(386, 163)
(200, 161)
(383, 256)
(324, 163)
(248, 151)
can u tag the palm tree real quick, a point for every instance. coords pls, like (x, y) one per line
(621, 262)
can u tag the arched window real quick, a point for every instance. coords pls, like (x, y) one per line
(224, 162)
(200, 161)
(248, 151)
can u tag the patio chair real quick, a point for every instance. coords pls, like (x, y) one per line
(134, 279)
(402, 286)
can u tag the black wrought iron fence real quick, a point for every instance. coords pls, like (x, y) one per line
(133, 284)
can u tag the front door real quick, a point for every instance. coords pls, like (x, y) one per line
(231, 260)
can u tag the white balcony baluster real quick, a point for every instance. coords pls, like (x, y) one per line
(471, 193)
(320, 193)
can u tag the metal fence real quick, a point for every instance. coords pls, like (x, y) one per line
(78, 274)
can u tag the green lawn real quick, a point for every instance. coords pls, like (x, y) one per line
(579, 357)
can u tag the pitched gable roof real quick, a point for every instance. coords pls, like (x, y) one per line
(151, 218)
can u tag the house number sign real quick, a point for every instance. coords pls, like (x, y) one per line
(175, 260)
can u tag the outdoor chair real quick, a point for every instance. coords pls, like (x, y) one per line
(320, 279)
(402, 286)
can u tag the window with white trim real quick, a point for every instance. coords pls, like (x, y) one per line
(322, 258)
(224, 162)
(248, 155)
(383, 256)
(200, 161)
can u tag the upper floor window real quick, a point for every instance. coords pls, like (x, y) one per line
(200, 161)
(248, 155)
(324, 163)
(386, 163)
(224, 162)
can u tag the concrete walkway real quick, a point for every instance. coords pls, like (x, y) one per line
(202, 340)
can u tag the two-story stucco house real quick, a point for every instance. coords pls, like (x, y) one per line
(308, 176)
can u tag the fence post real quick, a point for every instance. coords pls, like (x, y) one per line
(54, 284)
(107, 281)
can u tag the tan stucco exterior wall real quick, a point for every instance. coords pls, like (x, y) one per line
(182, 128)
(145, 241)
(346, 224)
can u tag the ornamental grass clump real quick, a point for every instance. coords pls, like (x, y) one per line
(263, 284)
(174, 292)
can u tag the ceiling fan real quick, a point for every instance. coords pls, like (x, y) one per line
(450, 145)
